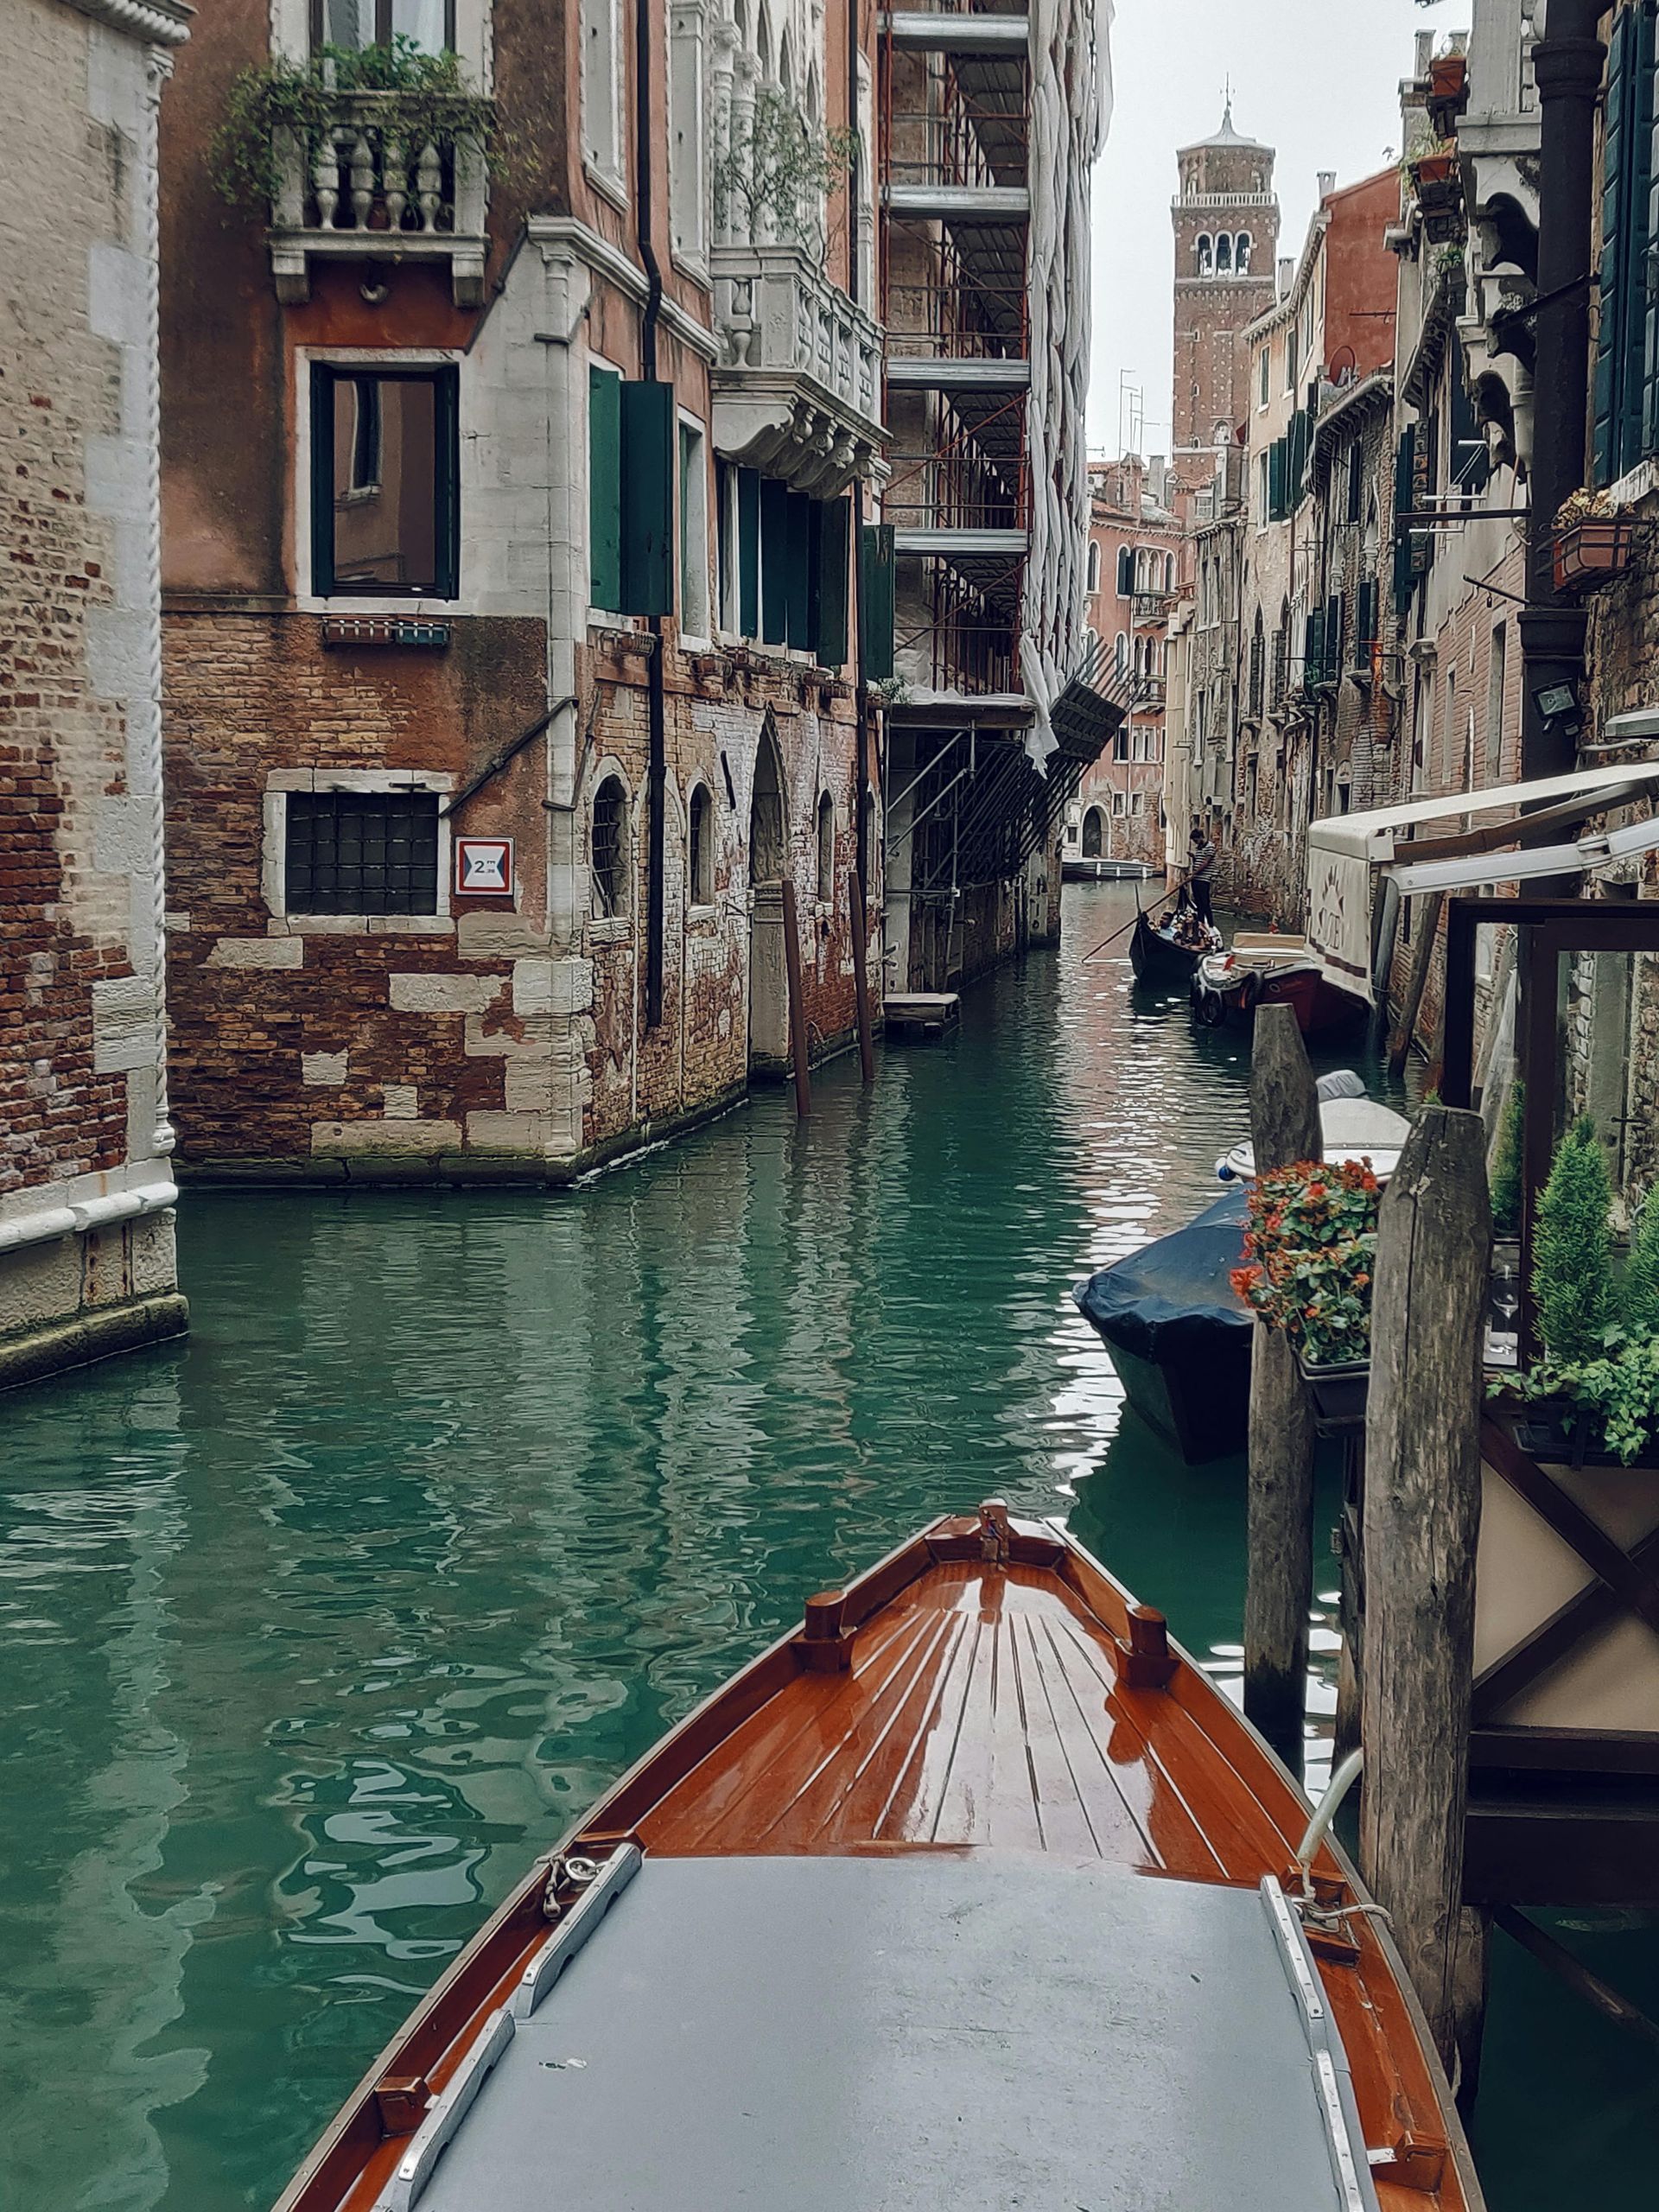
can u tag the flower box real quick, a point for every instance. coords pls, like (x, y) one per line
(1337, 1394)
(1591, 553)
(1448, 91)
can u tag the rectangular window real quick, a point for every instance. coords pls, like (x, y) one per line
(361, 852)
(1262, 494)
(1496, 683)
(385, 464)
(693, 532)
(601, 90)
(688, 184)
(1264, 375)
(357, 24)
(1622, 362)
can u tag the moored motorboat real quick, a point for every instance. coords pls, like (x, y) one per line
(1179, 1334)
(868, 1928)
(1168, 952)
(1274, 971)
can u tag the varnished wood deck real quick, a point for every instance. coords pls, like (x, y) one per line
(954, 1701)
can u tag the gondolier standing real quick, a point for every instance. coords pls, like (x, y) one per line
(1200, 868)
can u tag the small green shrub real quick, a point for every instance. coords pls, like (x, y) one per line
(1573, 1250)
(1641, 1300)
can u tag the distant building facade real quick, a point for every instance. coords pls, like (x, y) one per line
(86, 1197)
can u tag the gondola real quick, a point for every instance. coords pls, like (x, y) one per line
(1158, 957)
(870, 1927)
(1274, 971)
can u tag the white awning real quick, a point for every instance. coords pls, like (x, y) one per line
(1344, 849)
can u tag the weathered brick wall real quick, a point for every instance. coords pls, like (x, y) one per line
(78, 1037)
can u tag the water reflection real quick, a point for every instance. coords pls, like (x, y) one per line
(318, 1626)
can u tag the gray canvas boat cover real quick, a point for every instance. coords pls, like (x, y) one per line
(933, 2030)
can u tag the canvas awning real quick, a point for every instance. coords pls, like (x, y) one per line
(1459, 842)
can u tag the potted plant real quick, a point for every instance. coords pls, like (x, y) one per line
(1311, 1254)
(1595, 1392)
(1590, 545)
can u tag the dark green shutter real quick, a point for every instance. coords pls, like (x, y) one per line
(1276, 459)
(446, 491)
(1472, 466)
(1623, 363)
(323, 480)
(648, 443)
(748, 552)
(1369, 611)
(1335, 610)
(835, 539)
(1313, 649)
(876, 600)
(774, 561)
(604, 489)
(797, 614)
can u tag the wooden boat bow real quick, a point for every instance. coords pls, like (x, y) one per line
(987, 1703)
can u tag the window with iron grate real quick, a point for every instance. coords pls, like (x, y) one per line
(361, 852)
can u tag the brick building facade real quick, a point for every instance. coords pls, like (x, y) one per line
(512, 613)
(1226, 224)
(86, 1221)
(1137, 544)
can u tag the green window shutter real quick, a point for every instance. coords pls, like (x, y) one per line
(1277, 510)
(748, 552)
(323, 480)
(1471, 466)
(1369, 611)
(647, 550)
(774, 561)
(1335, 611)
(604, 489)
(834, 518)
(1313, 648)
(446, 490)
(1623, 241)
(797, 613)
(876, 600)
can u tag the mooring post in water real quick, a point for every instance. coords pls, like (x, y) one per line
(1279, 1587)
(1423, 1518)
(861, 977)
(797, 1004)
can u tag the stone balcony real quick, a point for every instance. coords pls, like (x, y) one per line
(797, 389)
(360, 196)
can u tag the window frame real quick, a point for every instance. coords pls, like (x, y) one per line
(283, 783)
(696, 592)
(604, 161)
(700, 888)
(824, 815)
(314, 494)
(318, 27)
(615, 918)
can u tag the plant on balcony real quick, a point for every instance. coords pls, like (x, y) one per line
(775, 176)
(1590, 545)
(420, 99)
(1573, 1250)
(1507, 1163)
(1311, 1253)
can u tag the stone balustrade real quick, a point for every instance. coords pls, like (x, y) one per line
(359, 194)
(797, 391)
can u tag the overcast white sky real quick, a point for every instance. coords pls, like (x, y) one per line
(1319, 79)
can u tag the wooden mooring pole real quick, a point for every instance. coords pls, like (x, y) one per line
(861, 977)
(798, 1052)
(1428, 923)
(1423, 1518)
(1279, 1588)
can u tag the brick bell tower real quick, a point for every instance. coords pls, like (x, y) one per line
(1226, 253)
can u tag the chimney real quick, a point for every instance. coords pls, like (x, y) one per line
(1286, 275)
(1327, 183)
(1425, 52)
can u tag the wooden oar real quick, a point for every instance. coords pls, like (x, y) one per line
(1138, 910)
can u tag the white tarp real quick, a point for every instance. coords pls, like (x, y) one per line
(1344, 849)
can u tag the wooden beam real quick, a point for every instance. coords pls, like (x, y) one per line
(1279, 1587)
(1578, 1977)
(1422, 1519)
(1429, 922)
(861, 978)
(1589, 1610)
(1634, 1585)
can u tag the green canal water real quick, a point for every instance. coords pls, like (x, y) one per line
(316, 1628)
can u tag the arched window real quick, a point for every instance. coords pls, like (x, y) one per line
(1258, 665)
(1243, 246)
(1093, 836)
(1206, 257)
(700, 848)
(1120, 652)
(1281, 654)
(1094, 564)
(827, 850)
(1223, 255)
(610, 849)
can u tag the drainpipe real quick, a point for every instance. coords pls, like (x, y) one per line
(860, 687)
(657, 769)
(1568, 64)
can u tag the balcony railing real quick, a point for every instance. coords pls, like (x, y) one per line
(798, 392)
(1153, 606)
(361, 194)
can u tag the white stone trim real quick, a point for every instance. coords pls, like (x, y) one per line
(609, 262)
(161, 22)
(273, 858)
(348, 603)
